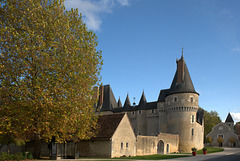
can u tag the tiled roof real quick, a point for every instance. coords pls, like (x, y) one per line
(107, 125)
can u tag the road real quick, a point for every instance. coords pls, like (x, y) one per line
(229, 154)
(231, 157)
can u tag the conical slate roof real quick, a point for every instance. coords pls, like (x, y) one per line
(119, 103)
(229, 118)
(182, 82)
(127, 102)
(109, 101)
(143, 100)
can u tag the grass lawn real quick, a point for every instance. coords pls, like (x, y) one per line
(155, 157)
(210, 150)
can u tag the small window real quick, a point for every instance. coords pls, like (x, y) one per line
(191, 99)
(121, 145)
(192, 132)
(175, 99)
(133, 112)
(153, 111)
(139, 112)
(126, 145)
(193, 118)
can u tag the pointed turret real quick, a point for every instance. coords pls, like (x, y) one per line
(127, 103)
(119, 103)
(109, 101)
(143, 100)
(182, 82)
(229, 118)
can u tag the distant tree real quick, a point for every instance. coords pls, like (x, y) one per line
(209, 139)
(232, 140)
(211, 119)
(220, 140)
(48, 67)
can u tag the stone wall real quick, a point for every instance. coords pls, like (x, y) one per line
(96, 148)
(227, 133)
(123, 140)
(169, 140)
(146, 145)
(181, 112)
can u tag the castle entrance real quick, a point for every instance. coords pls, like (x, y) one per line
(160, 147)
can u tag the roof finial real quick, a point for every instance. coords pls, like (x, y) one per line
(182, 51)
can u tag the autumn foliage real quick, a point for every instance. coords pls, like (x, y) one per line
(49, 65)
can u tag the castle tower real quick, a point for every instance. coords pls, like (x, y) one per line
(181, 107)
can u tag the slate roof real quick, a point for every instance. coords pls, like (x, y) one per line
(143, 100)
(229, 118)
(107, 125)
(162, 95)
(119, 103)
(186, 86)
(127, 103)
(109, 101)
(200, 116)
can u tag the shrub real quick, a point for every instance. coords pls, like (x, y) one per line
(194, 149)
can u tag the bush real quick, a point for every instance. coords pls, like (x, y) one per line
(18, 156)
(194, 149)
(204, 149)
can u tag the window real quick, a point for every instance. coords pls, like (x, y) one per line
(153, 111)
(175, 99)
(193, 118)
(139, 112)
(191, 99)
(126, 145)
(192, 132)
(220, 136)
(133, 112)
(121, 145)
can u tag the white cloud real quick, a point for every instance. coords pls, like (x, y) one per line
(92, 9)
(236, 116)
(237, 49)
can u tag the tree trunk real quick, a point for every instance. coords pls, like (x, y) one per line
(37, 147)
(8, 149)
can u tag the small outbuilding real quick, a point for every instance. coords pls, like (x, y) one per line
(223, 134)
(114, 138)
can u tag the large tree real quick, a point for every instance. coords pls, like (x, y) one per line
(211, 119)
(49, 65)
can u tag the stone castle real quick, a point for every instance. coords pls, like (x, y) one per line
(175, 112)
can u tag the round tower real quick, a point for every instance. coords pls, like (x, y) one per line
(182, 110)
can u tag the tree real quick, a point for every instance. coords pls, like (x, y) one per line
(49, 64)
(211, 119)
(232, 140)
(209, 139)
(220, 140)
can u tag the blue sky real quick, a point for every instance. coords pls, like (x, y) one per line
(141, 40)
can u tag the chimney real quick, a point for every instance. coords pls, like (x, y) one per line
(101, 95)
(180, 70)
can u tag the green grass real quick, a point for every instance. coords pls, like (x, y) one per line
(210, 150)
(154, 157)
